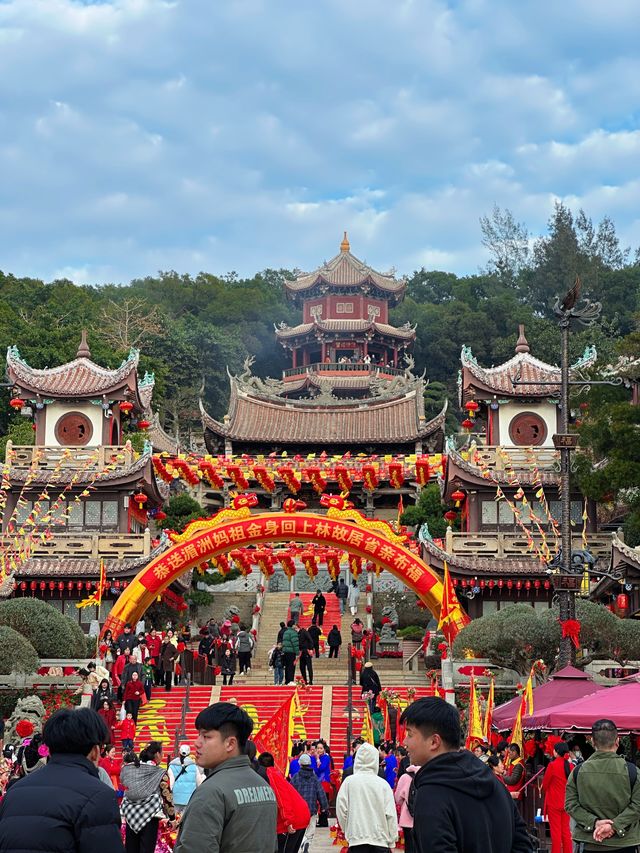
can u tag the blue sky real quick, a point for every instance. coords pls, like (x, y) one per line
(218, 135)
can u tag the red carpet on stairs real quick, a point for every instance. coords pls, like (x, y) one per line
(339, 717)
(261, 703)
(331, 615)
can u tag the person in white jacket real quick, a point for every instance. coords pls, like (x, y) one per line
(352, 597)
(365, 808)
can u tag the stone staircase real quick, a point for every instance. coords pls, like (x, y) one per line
(325, 671)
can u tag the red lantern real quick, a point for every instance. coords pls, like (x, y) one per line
(463, 581)
(482, 584)
(518, 584)
(23, 586)
(33, 586)
(509, 584)
(527, 585)
(622, 602)
(500, 583)
(458, 496)
(60, 586)
(455, 581)
(491, 584)
(547, 584)
(16, 403)
(140, 498)
(70, 585)
(467, 424)
(472, 407)
(160, 515)
(536, 584)
(584, 406)
(80, 584)
(144, 424)
(52, 585)
(450, 516)
(126, 406)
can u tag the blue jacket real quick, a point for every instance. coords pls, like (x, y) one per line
(61, 808)
(184, 783)
(323, 769)
(310, 789)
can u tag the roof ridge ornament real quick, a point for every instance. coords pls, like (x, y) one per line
(522, 345)
(83, 349)
(345, 246)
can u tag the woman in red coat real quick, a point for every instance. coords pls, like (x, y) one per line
(132, 696)
(554, 785)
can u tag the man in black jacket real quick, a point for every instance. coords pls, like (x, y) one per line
(319, 606)
(460, 806)
(306, 649)
(64, 807)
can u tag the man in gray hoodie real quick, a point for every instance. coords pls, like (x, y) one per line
(234, 809)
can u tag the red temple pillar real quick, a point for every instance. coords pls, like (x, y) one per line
(395, 356)
(324, 352)
(294, 354)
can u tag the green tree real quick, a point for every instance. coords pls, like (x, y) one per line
(16, 652)
(50, 633)
(429, 511)
(516, 636)
(180, 510)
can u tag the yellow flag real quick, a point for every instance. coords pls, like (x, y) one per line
(367, 727)
(516, 735)
(528, 694)
(488, 714)
(475, 732)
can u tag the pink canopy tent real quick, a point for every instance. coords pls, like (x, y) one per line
(564, 686)
(620, 704)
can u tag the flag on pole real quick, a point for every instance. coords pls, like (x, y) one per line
(366, 732)
(400, 510)
(276, 734)
(516, 734)
(528, 694)
(475, 731)
(488, 714)
(452, 616)
(95, 599)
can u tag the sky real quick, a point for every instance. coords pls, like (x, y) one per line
(220, 135)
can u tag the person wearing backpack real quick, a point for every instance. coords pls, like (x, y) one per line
(183, 773)
(602, 795)
(405, 795)
(554, 786)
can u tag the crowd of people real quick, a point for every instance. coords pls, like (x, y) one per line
(72, 793)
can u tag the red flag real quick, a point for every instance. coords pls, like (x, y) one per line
(400, 510)
(452, 616)
(276, 734)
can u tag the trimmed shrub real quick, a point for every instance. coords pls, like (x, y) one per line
(50, 633)
(16, 653)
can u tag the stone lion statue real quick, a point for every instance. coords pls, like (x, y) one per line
(29, 708)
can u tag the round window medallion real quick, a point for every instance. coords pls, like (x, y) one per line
(73, 429)
(527, 429)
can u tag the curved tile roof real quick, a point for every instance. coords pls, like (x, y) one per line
(345, 270)
(254, 418)
(346, 326)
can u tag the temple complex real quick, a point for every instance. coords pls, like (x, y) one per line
(80, 496)
(501, 481)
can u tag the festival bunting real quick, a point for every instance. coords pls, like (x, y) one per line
(95, 599)
(276, 735)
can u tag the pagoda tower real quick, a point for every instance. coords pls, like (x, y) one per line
(345, 335)
(350, 387)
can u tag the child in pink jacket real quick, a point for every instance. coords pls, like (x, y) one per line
(401, 796)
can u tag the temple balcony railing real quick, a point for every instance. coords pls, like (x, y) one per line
(338, 369)
(88, 458)
(500, 545)
(88, 546)
(501, 458)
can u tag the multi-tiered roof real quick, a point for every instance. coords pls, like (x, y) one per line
(350, 385)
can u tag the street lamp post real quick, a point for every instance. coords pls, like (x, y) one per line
(568, 582)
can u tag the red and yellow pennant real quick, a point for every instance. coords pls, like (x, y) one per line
(276, 735)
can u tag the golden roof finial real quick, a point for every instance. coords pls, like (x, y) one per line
(345, 246)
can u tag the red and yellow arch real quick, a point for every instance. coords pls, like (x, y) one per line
(346, 529)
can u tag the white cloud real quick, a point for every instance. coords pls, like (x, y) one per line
(146, 134)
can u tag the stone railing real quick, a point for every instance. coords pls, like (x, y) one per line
(88, 458)
(114, 546)
(337, 367)
(499, 545)
(486, 456)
